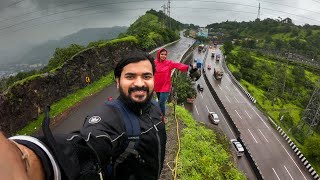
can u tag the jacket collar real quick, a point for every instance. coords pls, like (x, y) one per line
(137, 109)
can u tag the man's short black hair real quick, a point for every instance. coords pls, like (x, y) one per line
(133, 56)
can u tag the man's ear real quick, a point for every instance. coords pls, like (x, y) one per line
(118, 82)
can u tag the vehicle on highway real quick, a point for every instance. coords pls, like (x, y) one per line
(217, 73)
(238, 146)
(218, 57)
(214, 118)
(200, 87)
(209, 66)
(212, 54)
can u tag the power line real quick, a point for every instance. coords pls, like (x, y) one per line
(48, 22)
(254, 12)
(103, 4)
(66, 4)
(15, 3)
(76, 9)
(129, 2)
(258, 17)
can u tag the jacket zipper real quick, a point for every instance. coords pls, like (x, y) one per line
(159, 147)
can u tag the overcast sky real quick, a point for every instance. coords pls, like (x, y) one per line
(27, 22)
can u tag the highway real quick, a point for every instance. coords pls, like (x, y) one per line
(204, 104)
(272, 153)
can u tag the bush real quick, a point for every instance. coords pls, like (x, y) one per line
(183, 87)
(237, 75)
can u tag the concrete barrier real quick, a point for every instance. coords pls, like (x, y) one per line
(238, 84)
(298, 153)
(247, 153)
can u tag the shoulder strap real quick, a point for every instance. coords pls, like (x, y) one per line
(132, 124)
(130, 120)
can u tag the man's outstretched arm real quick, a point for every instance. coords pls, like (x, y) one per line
(18, 161)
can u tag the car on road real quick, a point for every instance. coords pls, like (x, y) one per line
(214, 117)
(238, 146)
(209, 66)
(200, 87)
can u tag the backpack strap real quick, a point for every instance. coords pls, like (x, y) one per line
(130, 120)
(133, 131)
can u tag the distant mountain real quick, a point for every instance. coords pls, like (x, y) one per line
(43, 52)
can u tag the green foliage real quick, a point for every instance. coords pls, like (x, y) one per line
(311, 148)
(202, 156)
(183, 87)
(149, 31)
(279, 35)
(227, 47)
(61, 55)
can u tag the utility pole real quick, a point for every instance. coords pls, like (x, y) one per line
(169, 14)
(164, 15)
(258, 17)
(311, 115)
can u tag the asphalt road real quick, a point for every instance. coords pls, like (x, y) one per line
(74, 120)
(272, 153)
(204, 104)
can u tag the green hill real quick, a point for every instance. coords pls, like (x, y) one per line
(274, 35)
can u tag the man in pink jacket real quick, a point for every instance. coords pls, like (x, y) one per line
(162, 77)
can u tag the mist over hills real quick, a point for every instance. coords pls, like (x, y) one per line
(43, 52)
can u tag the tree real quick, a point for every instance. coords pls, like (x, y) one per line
(228, 47)
(311, 147)
(63, 54)
(183, 87)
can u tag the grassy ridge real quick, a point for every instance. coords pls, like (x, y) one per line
(204, 153)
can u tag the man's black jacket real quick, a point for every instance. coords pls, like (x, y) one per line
(103, 137)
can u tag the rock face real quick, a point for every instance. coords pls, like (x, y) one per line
(25, 100)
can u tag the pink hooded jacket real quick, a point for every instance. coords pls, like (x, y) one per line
(162, 76)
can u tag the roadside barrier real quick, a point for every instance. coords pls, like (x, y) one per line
(238, 84)
(247, 153)
(297, 152)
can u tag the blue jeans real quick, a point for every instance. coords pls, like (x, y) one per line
(162, 98)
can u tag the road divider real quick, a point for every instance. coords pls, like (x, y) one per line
(226, 114)
(238, 84)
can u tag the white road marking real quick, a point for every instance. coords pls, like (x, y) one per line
(201, 95)
(288, 171)
(260, 118)
(247, 114)
(275, 173)
(207, 108)
(290, 156)
(196, 109)
(236, 99)
(263, 136)
(252, 136)
(238, 114)
(220, 87)
(227, 88)
(227, 98)
(239, 93)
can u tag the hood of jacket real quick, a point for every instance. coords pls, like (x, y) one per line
(158, 54)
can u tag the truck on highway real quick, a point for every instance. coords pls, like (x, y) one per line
(200, 47)
(212, 54)
(217, 73)
(218, 57)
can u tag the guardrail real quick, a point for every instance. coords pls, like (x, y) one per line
(238, 84)
(297, 152)
(247, 153)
